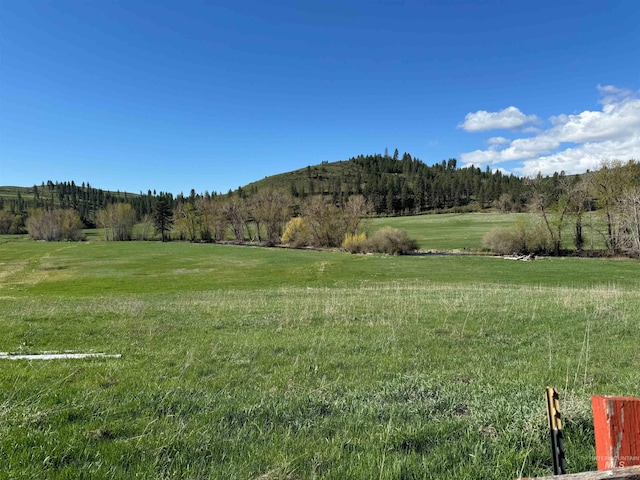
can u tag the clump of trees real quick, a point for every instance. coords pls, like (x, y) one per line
(55, 225)
(562, 203)
(117, 220)
(270, 209)
(402, 185)
(616, 189)
(324, 224)
(328, 223)
(11, 222)
(215, 218)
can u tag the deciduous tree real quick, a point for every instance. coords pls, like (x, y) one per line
(609, 183)
(212, 220)
(235, 212)
(186, 221)
(271, 209)
(325, 221)
(118, 220)
(549, 197)
(579, 200)
(355, 208)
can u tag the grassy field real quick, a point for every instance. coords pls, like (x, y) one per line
(251, 363)
(465, 231)
(453, 232)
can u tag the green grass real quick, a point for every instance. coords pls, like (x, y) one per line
(457, 231)
(242, 362)
(465, 231)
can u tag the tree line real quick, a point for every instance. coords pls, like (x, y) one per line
(266, 218)
(83, 199)
(380, 184)
(563, 202)
(407, 185)
(390, 184)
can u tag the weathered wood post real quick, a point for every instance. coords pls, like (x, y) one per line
(555, 430)
(616, 423)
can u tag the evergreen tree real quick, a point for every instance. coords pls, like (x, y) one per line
(162, 216)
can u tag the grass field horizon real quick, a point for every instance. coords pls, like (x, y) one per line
(246, 362)
(454, 232)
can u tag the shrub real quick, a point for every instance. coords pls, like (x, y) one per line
(523, 238)
(505, 203)
(6, 219)
(55, 225)
(355, 243)
(18, 224)
(392, 241)
(117, 220)
(502, 241)
(297, 232)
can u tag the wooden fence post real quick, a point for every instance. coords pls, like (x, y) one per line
(616, 422)
(555, 430)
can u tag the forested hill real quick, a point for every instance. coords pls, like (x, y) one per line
(403, 185)
(392, 186)
(83, 198)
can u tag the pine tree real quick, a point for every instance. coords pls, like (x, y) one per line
(162, 216)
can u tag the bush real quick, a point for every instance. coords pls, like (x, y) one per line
(6, 219)
(523, 238)
(297, 232)
(55, 225)
(11, 223)
(503, 241)
(392, 241)
(355, 243)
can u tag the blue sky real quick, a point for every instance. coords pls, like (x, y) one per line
(211, 95)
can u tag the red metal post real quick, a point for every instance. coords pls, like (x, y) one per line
(616, 422)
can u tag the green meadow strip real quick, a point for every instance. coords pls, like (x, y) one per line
(257, 363)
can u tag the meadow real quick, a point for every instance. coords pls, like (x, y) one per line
(464, 232)
(254, 363)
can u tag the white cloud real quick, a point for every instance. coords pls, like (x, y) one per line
(510, 118)
(480, 157)
(582, 158)
(559, 119)
(574, 143)
(612, 94)
(497, 141)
